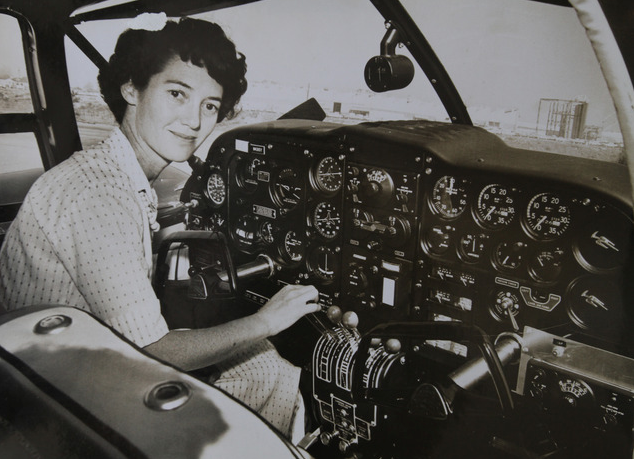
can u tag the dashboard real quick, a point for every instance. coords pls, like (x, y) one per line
(419, 221)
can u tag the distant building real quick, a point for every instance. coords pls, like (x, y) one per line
(562, 118)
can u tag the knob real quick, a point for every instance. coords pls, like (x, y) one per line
(350, 320)
(334, 314)
(393, 346)
(344, 445)
(374, 245)
(326, 437)
(369, 189)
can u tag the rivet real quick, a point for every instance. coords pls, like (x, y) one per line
(53, 324)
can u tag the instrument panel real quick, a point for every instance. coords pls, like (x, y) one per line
(523, 253)
(424, 221)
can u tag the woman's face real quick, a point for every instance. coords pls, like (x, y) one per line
(177, 110)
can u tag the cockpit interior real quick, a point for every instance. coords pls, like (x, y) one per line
(476, 296)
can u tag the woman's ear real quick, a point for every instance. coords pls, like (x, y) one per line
(129, 93)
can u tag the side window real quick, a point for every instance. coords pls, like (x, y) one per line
(20, 159)
(94, 119)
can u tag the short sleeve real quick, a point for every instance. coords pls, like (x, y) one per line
(100, 239)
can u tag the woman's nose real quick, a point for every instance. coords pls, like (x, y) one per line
(190, 116)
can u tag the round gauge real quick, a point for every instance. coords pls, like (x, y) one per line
(292, 247)
(267, 232)
(323, 263)
(287, 189)
(546, 265)
(496, 206)
(547, 216)
(509, 255)
(604, 243)
(245, 229)
(472, 247)
(247, 173)
(449, 196)
(326, 220)
(216, 190)
(215, 222)
(595, 304)
(328, 175)
(439, 238)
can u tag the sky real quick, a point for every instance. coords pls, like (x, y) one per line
(510, 59)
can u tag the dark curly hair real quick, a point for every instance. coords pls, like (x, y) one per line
(140, 54)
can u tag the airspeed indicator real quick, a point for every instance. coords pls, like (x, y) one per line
(449, 196)
(547, 216)
(496, 206)
(216, 190)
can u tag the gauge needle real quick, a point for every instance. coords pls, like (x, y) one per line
(450, 189)
(594, 301)
(541, 220)
(489, 212)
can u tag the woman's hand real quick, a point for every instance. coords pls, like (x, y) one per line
(287, 306)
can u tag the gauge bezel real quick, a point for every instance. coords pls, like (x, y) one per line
(533, 271)
(595, 326)
(317, 181)
(261, 232)
(430, 247)
(312, 263)
(615, 240)
(285, 252)
(538, 235)
(318, 227)
(241, 165)
(275, 192)
(449, 215)
(243, 243)
(496, 225)
(464, 256)
(498, 264)
(214, 202)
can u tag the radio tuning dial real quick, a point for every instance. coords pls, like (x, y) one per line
(376, 187)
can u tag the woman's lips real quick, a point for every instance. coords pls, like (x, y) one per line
(187, 137)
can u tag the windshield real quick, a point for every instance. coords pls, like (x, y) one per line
(525, 70)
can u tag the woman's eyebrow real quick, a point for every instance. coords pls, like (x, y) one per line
(178, 82)
(185, 85)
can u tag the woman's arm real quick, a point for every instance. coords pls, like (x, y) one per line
(193, 349)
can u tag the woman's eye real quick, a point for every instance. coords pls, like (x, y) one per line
(211, 108)
(174, 93)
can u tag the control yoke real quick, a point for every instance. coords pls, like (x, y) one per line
(435, 400)
(217, 280)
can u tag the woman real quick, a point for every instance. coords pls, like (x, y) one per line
(83, 234)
